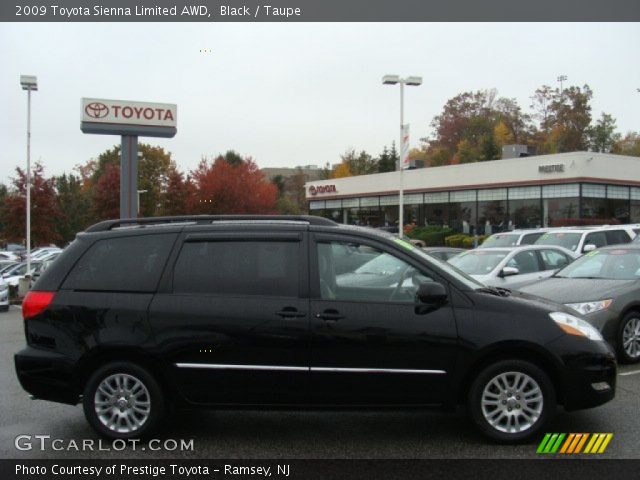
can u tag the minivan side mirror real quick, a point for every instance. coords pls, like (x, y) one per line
(508, 272)
(589, 247)
(432, 293)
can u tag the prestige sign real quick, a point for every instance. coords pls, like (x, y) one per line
(123, 112)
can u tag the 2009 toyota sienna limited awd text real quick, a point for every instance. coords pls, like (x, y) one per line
(140, 316)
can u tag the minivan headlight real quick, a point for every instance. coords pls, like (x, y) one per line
(590, 307)
(575, 326)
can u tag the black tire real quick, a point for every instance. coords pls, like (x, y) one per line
(150, 393)
(4, 308)
(516, 401)
(623, 355)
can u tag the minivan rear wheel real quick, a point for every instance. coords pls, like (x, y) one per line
(511, 401)
(123, 400)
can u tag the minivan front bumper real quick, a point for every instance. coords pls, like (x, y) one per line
(588, 378)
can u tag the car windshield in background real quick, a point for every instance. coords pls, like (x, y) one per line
(478, 262)
(459, 275)
(619, 264)
(501, 240)
(562, 239)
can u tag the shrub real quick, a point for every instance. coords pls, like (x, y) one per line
(432, 236)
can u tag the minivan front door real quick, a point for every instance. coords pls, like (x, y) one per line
(370, 343)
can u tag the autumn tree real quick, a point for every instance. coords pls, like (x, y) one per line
(628, 145)
(565, 118)
(44, 208)
(341, 170)
(106, 193)
(223, 188)
(177, 198)
(154, 167)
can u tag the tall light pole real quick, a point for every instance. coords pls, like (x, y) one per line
(29, 83)
(562, 78)
(414, 82)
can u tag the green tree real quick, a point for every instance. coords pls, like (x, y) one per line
(359, 164)
(74, 205)
(388, 159)
(603, 135)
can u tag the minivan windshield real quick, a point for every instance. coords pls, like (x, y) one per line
(568, 240)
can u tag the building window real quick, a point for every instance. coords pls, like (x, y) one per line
(560, 205)
(561, 191)
(316, 205)
(524, 193)
(492, 216)
(390, 200)
(525, 213)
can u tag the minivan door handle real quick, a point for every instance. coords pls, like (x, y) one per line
(330, 315)
(290, 312)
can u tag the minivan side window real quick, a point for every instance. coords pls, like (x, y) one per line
(122, 264)
(262, 268)
(350, 275)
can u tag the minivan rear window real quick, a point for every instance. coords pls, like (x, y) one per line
(122, 264)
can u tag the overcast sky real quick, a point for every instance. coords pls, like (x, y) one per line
(291, 94)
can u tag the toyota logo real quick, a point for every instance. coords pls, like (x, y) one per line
(96, 110)
(312, 190)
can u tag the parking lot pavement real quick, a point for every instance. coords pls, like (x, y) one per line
(229, 434)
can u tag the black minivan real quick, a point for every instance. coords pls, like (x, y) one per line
(140, 316)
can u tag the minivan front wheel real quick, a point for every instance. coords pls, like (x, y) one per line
(123, 400)
(511, 400)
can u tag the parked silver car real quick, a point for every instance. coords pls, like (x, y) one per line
(513, 267)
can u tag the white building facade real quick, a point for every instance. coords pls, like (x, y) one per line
(578, 188)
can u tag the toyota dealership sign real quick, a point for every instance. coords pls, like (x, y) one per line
(123, 112)
(130, 120)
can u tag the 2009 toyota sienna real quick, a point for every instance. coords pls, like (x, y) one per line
(143, 315)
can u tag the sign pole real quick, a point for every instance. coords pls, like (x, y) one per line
(129, 176)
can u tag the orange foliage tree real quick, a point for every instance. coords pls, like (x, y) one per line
(223, 187)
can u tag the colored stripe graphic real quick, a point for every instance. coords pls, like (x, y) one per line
(573, 443)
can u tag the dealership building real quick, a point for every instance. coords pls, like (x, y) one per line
(578, 188)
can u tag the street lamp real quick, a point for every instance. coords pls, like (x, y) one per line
(139, 192)
(29, 83)
(413, 82)
(562, 78)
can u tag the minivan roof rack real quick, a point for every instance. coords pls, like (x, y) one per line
(204, 220)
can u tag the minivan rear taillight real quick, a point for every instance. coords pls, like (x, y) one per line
(35, 302)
